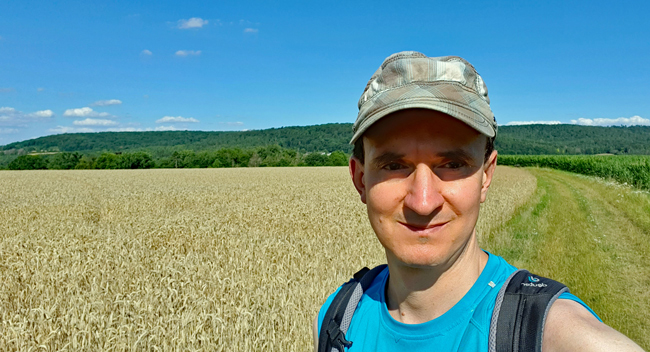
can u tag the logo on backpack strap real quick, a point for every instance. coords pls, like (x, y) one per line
(533, 282)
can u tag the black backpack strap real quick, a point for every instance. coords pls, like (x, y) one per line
(339, 314)
(520, 312)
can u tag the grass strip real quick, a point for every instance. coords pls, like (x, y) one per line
(590, 235)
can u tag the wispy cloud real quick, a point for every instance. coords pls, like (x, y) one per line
(15, 118)
(251, 30)
(166, 128)
(43, 114)
(519, 123)
(188, 53)
(67, 129)
(194, 22)
(173, 119)
(40, 89)
(84, 112)
(106, 102)
(94, 122)
(621, 121)
(146, 52)
(70, 129)
(125, 129)
(7, 90)
(233, 123)
(8, 130)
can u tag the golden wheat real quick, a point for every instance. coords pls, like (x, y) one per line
(185, 260)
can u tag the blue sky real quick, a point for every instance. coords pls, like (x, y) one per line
(75, 66)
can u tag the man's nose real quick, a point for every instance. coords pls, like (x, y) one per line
(424, 193)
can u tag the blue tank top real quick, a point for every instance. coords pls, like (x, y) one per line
(464, 327)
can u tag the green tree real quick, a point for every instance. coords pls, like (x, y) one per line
(183, 159)
(107, 161)
(316, 159)
(64, 161)
(28, 162)
(137, 160)
(337, 158)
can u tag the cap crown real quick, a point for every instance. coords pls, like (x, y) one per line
(410, 79)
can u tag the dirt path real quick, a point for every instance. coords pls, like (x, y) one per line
(590, 235)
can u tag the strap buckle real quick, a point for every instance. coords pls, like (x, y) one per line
(337, 338)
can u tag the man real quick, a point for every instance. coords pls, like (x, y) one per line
(423, 162)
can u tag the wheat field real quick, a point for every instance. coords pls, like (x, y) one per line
(186, 260)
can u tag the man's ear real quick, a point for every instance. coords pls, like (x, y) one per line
(357, 173)
(488, 172)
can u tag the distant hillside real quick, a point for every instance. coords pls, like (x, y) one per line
(321, 138)
(573, 139)
(529, 139)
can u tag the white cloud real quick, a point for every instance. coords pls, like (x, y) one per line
(84, 112)
(8, 130)
(106, 102)
(40, 89)
(188, 52)
(6, 90)
(621, 121)
(234, 123)
(251, 30)
(43, 113)
(66, 129)
(166, 128)
(146, 52)
(94, 122)
(12, 117)
(519, 123)
(177, 119)
(194, 22)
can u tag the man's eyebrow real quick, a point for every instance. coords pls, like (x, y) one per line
(456, 154)
(385, 158)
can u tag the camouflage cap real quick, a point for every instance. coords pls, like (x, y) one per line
(409, 80)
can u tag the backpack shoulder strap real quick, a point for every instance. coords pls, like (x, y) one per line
(520, 312)
(339, 314)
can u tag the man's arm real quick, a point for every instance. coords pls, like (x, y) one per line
(571, 327)
(315, 330)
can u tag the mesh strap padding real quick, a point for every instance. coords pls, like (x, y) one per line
(339, 314)
(520, 312)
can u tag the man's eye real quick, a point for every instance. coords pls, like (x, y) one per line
(454, 165)
(393, 166)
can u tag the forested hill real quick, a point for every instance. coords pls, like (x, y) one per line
(317, 138)
(573, 139)
(529, 139)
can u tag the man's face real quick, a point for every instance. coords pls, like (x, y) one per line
(423, 180)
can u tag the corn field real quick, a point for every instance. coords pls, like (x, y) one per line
(186, 260)
(633, 170)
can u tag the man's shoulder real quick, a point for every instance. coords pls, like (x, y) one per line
(571, 327)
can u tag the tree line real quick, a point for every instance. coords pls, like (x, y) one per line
(268, 156)
(520, 140)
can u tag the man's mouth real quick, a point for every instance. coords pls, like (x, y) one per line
(424, 228)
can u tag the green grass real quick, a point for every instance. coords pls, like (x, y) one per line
(630, 169)
(592, 236)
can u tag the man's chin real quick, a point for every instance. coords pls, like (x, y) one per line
(420, 260)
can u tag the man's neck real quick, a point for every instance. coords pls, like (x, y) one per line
(416, 295)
